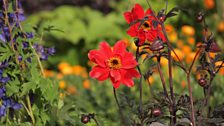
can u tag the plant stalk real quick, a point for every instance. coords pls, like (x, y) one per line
(119, 108)
(30, 109)
(140, 85)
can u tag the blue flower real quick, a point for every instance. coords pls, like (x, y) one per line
(51, 51)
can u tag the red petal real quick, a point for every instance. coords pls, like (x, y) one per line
(129, 61)
(128, 82)
(141, 36)
(138, 12)
(133, 30)
(115, 75)
(97, 57)
(128, 17)
(119, 48)
(116, 84)
(99, 73)
(104, 47)
(148, 12)
(130, 73)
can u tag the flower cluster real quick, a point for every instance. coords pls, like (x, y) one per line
(144, 25)
(6, 102)
(19, 42)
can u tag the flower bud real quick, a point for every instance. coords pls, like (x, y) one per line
(85, 119)
(156, 112)
(200, 17)
(202, 82)
(156, 45)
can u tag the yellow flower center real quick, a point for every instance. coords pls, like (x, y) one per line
(145, 25)
(114, 63)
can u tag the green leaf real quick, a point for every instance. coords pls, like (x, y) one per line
(49, 90)
(26, 87)
(5, 53)
(12, 87)
(44, 117)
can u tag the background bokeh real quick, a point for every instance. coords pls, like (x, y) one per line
(74, 27)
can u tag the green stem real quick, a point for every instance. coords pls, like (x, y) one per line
(38, 59)
(30, 109)
(95, 121)
(119, 107)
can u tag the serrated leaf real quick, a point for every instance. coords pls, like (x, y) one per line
(26, 87)
(49, 90)
(44, 117)
(12, 87)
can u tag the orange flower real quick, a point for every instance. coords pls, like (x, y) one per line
(76, 70)
(151, 80)
(173, 37)
(164, 61)
(180, 43)
(86, 84)
(188, 30)
(221, 26)
(59, 76)
(71, 89)
(191, 40)
(186, 49)
(62, 84)
(212, 55)
(209, 4)
(48, 73)
(219, 63)
(179, 53)
(221, 71)
(190, 57)
(169, 28)
(183, 84)
(65, 68)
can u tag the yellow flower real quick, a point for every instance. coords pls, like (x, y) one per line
(188, 30)
(164, 61)
(62, 95)
(173, 37)
(65, 68)
(62, 84)
(179, 53)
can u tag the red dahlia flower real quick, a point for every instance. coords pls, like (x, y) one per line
(114, 63)
(149, 29)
